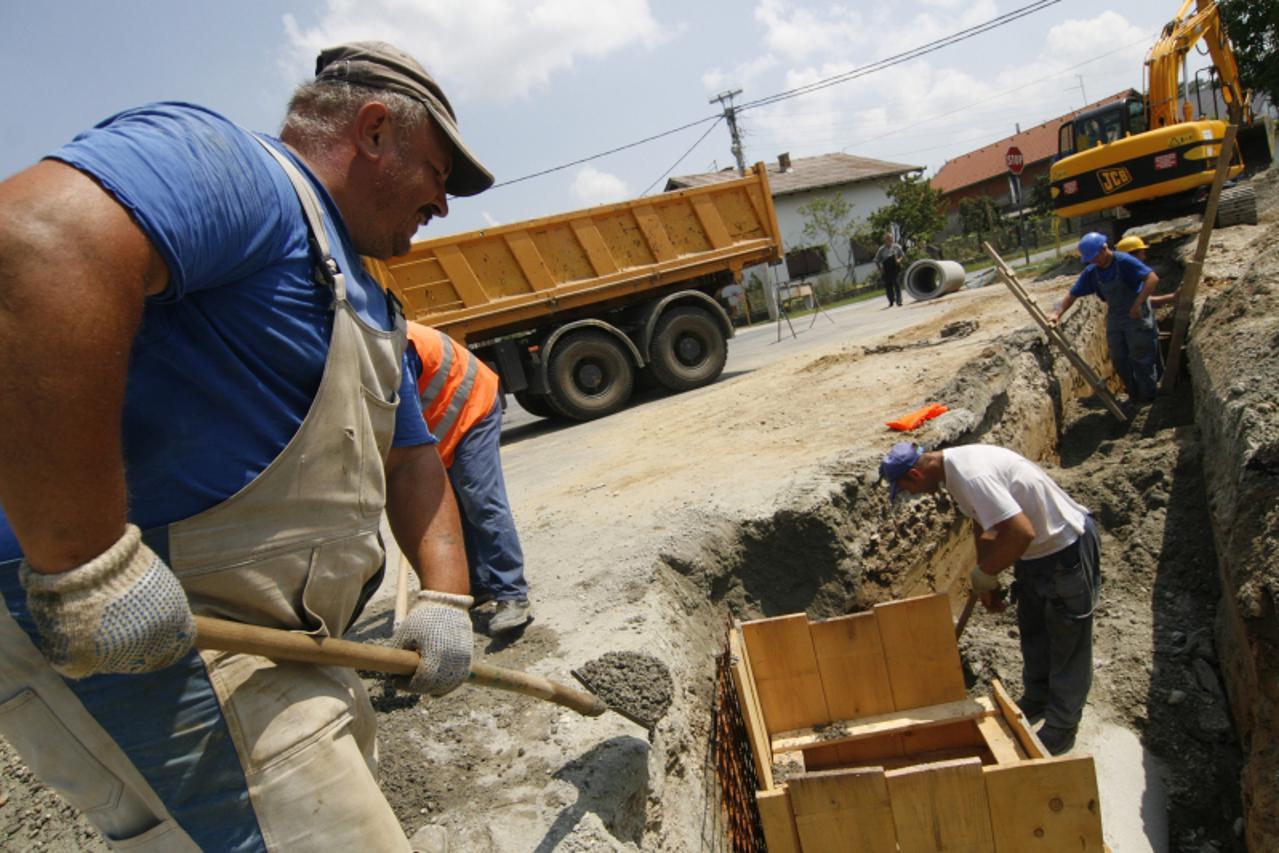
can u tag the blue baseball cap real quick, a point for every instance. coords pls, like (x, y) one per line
(896, 462)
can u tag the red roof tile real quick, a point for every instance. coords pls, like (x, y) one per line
(1036, 144)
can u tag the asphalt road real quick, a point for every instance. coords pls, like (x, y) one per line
(764, 343)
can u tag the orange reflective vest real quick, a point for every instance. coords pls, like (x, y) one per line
(456, 389)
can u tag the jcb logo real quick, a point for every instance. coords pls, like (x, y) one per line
(1113, 179)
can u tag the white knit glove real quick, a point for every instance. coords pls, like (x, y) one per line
(983, 582)
(438, 628)
(121, 612)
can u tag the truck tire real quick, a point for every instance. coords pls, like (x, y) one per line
(1237, 206)
(538, 405)
(688, 349)
(590, 375)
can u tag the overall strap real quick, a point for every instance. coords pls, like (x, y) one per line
(326, 268)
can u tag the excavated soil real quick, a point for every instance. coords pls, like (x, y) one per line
(645, 531)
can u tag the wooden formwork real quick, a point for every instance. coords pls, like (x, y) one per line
(864, 739)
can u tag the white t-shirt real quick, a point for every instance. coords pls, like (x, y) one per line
(992, 484)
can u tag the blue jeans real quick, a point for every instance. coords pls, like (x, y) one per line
(493, 550)
(1134, 351)
(1055, 598)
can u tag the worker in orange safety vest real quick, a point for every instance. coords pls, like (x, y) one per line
(459, 395)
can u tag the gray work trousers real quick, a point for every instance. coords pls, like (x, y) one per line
(1055, 598)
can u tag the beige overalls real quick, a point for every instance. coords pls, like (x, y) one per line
(294, 549)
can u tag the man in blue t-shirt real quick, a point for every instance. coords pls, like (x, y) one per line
(204, 411)
(1125, 284)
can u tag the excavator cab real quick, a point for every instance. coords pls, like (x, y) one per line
(1101, 126)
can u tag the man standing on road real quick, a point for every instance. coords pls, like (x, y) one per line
(888, 259)
(203, 409)
(1022, 518)
(459, 400)
(1125, 284)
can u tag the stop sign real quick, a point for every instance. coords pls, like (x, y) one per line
(1014, 159)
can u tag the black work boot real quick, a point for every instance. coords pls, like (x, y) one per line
(1057, 740)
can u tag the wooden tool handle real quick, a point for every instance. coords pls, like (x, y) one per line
(221, 635)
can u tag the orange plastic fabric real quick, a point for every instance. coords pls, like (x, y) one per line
(908, 422)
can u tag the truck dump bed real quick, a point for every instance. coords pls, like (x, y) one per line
(481, 284)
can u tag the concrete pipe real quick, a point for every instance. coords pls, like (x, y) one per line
(927, 279)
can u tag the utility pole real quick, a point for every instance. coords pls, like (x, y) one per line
(1082, 92)
(730, 114)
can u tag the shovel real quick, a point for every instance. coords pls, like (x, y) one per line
(221, 635)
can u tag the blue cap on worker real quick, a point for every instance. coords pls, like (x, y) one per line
(1090, 245)
(896, 462)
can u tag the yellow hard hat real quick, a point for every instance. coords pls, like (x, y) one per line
(1130, 244)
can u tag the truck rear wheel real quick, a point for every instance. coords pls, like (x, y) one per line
(537, 405)
(590, 375)
(688, 349)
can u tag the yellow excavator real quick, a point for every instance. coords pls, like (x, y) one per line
(1151, 156)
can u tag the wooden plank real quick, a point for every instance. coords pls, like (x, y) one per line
(777, 821)
(1194, 269)
(785, 669)
(1045, 805)
(1017, 721)
(920, 650)
(751, 714)
(850, 658)
(655, 232)
(896, 722)
(1010, 278)
(941, 807)
(843, 811)
(712, 223)
(593, 244)
(530, 260)
(999, 739)
(461, 275)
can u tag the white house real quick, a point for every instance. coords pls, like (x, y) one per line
(862, 182)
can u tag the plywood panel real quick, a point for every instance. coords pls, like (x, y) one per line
(1000, 740)
(752, 716)
(846, 811)
(1045, 805)
(777, 821)
(920, 650)
(941, 807)
(1017, 721)
(785, 669)
(850, 658)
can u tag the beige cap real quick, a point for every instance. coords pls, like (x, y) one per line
(379, 65)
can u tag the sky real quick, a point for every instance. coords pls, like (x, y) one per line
(538, 84)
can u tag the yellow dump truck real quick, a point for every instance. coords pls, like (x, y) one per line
(571, 309)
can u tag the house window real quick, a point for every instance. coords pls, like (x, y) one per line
(802, 263)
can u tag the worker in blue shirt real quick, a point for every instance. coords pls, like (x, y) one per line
(204, 410)
(1125, 284)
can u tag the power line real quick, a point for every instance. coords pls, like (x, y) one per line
(681, 157)
(938, 44)
(578, 162)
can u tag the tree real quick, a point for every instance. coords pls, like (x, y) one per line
(1253, 28)
(918, 211)
(829, 219)
(979, 215)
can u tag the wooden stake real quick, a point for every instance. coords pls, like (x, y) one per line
(1194, 269)
(1054, 335)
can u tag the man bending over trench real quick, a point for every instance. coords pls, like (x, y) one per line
(1022, 518)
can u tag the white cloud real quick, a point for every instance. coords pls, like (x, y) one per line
(591, 186)
(480, 48)
(927, 110)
